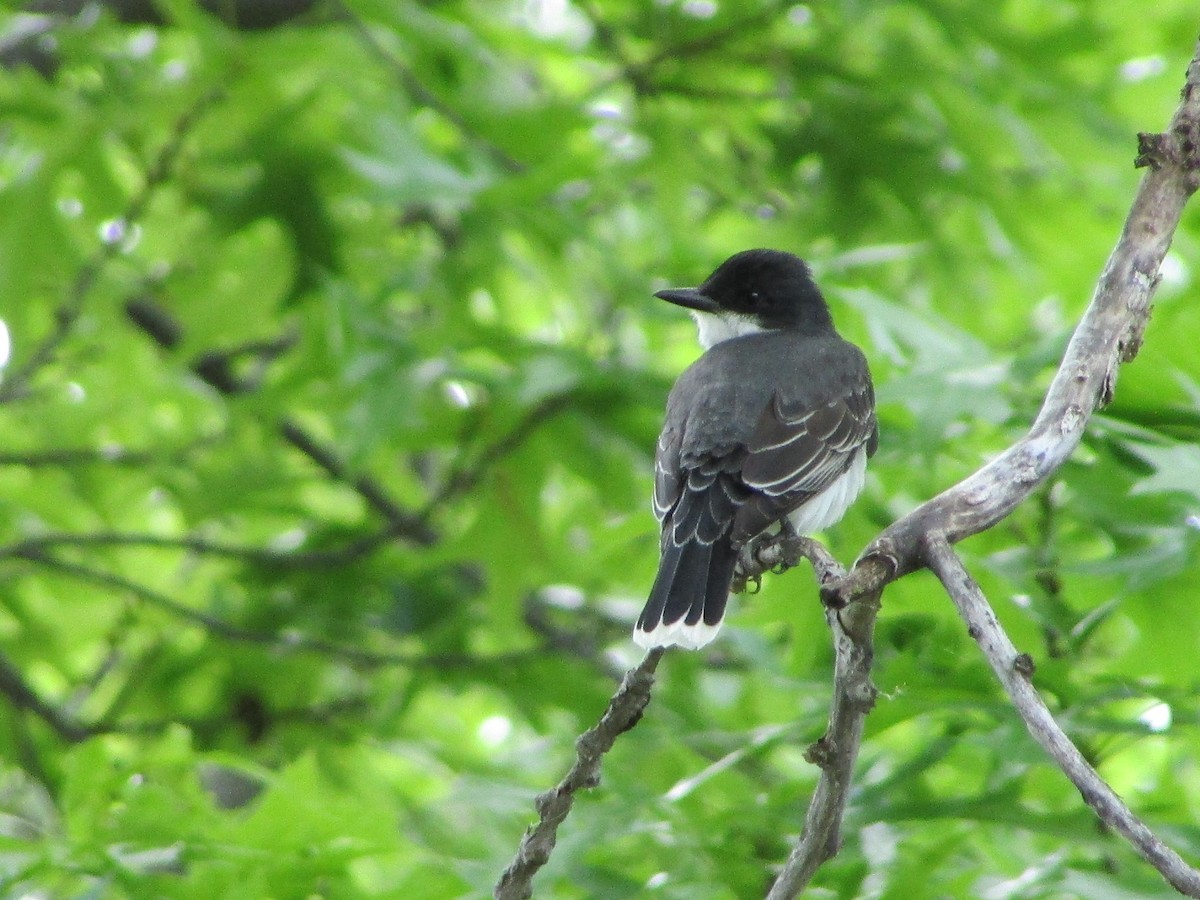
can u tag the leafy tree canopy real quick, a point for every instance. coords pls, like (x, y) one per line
(330, 387)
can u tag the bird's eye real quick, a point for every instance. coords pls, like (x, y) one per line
(754, 295)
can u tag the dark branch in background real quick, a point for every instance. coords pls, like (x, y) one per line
(19, 692)
(464, 476)
(108, 454)
(216, 368)
(225, 367)
(220, 370)
(581, 643)
(401, 522)
(623, 713)
(21, 695)
(637, 72)
(27, 42)
(29, 548)
(29, 46)
(324, 714)
(68, 312)
(461, 479)
(1014, 670)
(417, 526)
(290, 642)
(73, 730)
(76, 456)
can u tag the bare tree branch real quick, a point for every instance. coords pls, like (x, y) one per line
(1014, 670)
(623, 713)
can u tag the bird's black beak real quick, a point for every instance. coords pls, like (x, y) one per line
(691, 298)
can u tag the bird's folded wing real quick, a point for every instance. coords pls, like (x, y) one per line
(700, 499)
(795, 453)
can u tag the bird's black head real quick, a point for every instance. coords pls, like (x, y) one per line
(768, 289)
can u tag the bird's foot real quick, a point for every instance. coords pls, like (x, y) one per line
(774, 553)
(748, 571)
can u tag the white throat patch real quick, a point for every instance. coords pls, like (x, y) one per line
(717, 327)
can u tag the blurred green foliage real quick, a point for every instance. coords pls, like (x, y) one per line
(326, 438)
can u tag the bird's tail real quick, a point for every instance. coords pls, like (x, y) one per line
(688, 599)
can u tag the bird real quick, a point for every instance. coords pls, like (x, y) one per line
(773, 424)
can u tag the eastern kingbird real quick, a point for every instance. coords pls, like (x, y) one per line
(773, 424)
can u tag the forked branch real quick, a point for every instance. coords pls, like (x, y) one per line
(1109, 334)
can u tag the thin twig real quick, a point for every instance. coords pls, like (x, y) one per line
(402, 522)
(22, 695)
(464, 476)
(1014, 671)
(623, 713)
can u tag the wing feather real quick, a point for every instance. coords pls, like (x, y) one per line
(793, 454)
(668, 477)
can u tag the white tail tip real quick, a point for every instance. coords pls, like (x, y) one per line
(677, 634)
